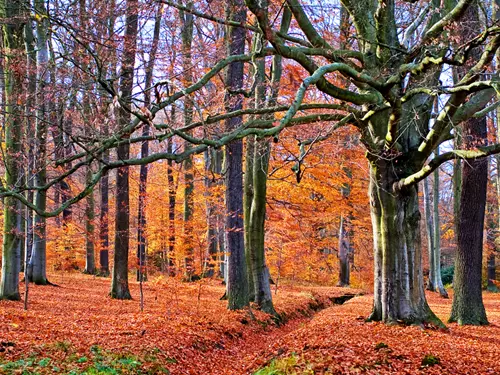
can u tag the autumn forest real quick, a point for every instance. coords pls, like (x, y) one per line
(250, 187)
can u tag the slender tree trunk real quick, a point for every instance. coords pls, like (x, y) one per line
(344, 248)
(436, 255)
(237, 283)
(89, 232)
(119, 284)
(29, 135)
(104, 182)
(430, 234)
(212, 171)
(104, 223)
(38, 256)
(262, 288)
(15, 18)
(171, 210)
(143, 174)
(247, 206)
(187, 40)
(261, 154)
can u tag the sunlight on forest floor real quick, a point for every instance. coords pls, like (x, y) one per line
(185, 329)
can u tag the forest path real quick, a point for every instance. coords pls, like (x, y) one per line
(337, 340)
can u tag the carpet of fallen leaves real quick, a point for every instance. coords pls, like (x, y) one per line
(186, 329)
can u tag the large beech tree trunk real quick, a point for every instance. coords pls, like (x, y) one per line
(399, 286)
(467, 307)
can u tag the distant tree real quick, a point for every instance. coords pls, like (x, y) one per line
(187, 75)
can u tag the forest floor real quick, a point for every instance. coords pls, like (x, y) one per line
(76, 328)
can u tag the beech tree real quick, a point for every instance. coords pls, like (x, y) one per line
(119, 286)
(14, 73)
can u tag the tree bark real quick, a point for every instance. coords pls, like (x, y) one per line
(172, 189)
(119, 283)
(344, 248)
(436, 258)
(430, 234)
(187, 40)
(38, 256)
(467, 307)
(143, 174)
(89, 230)
(15, 18)
(247, 206)
(237, 283)
(399, 287)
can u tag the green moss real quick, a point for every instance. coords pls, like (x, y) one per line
(381, 345)
(430, 360)
(281, 366)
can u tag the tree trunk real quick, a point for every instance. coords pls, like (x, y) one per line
(104, 223)
(344, 248)
(212, 171)
(29, 132)
(171, 210)
(430, 235)
(399, 288)
(38, 256)
(187, 40)
(89, 233)
(247, 206)
(467, 307)
(237, 283)
(436, 258)
(14, 71)
(143, 174)
(104, 182)
(260, 165)
(119, 283)
(262, 288)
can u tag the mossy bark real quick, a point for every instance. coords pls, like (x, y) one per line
(399, 285)
(260, 272)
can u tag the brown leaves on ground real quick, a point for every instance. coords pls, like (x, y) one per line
(186, 329)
